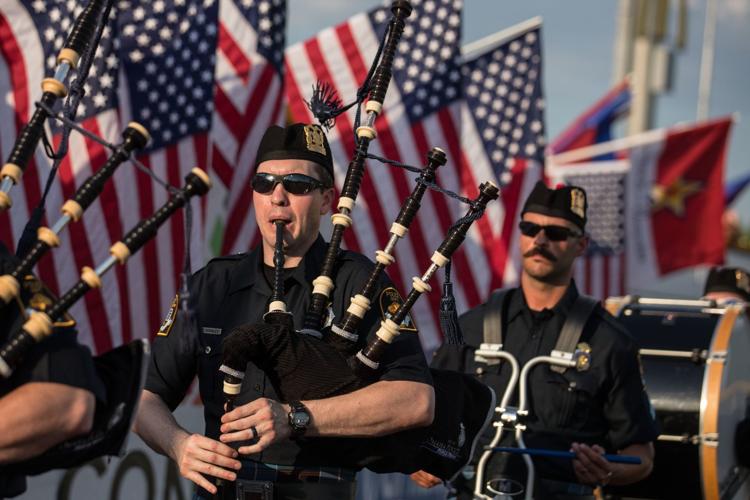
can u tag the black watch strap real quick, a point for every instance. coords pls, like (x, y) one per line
(299, 418)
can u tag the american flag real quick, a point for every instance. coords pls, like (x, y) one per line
(601, 272)
(160, 63)
(436, 98)
(249, 98)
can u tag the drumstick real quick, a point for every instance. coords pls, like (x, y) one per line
(539, 452)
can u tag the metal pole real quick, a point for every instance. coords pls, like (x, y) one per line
(707, 60)
(622, 56)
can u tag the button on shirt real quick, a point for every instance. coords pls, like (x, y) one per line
(606, 404)
(233, 291)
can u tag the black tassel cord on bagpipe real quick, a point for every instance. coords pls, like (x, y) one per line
(40, 324)
(80, 46)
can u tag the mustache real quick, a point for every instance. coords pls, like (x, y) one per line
(540, 251)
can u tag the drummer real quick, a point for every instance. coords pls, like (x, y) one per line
(586, 412)
(727, 285)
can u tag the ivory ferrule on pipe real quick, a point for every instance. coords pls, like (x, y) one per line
(277, 306)
(9, 288)
(420, 285)
(54, 86)
(39, 325)
(90, 277)
(48, 237)
(359, 306)
(11, 171)
(5, 201)
(384, 258)
(120, 251)
(388, 331)
(323, 285)
(69, 56)
(72, 209)
(345, 202)
(341, 220)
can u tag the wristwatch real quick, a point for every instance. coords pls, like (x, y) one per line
(299, 418)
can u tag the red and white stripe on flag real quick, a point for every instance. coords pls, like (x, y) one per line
(248, 99)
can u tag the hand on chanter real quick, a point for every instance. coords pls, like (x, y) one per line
(262, 422)
(198, 456)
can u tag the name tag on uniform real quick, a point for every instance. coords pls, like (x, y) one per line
(211, 331)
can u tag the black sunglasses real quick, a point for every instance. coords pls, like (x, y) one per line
(553, 233)
(297, 184)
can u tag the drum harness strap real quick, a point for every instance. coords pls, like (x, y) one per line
(495, 309)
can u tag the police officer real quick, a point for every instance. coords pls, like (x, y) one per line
(727, 284)
(602, 409)
(51, 396)
(290, 450)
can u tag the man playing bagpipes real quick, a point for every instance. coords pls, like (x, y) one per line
(293, 449)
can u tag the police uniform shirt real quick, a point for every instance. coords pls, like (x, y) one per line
(232, 291)
(59, 359)
(605, 405)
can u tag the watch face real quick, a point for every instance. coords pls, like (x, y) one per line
(300, 419)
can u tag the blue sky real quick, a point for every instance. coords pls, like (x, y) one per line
(578, 37)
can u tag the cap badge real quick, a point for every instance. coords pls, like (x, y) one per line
(578, 202)
(315, 139)
(743, 280)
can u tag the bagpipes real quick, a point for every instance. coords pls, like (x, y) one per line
(82, 41)
(316, 363)
(121, 370)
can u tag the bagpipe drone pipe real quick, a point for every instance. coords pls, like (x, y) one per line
(121, 370)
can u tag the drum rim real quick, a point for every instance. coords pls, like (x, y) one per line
(710, 398)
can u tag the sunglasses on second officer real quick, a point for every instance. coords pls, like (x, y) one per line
(551, 231)
(297, 184)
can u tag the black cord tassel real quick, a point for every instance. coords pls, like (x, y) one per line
(325, 104)
(448, 318)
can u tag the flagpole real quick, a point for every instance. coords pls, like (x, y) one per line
(484, 45)
(631, 141)
(707, 60)
(648, 137)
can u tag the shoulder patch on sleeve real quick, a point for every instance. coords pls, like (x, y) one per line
(390, 301)
(168, 323)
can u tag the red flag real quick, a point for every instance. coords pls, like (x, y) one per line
(657, 211)
(688, 197)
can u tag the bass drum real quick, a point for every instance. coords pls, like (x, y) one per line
(695, 358)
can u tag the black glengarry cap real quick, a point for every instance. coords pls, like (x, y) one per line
(567, 202)
(299, 141)
(728, 279)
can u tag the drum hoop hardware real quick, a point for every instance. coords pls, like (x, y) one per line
(709, 415)
(718, 357)
(696, 355)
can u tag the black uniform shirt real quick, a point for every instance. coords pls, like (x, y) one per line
(232, 291)
(605, 405)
